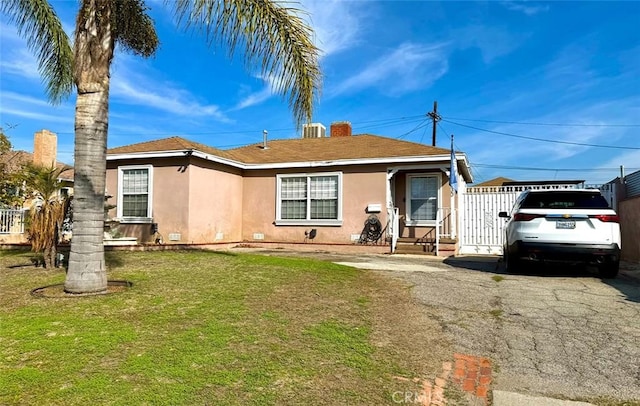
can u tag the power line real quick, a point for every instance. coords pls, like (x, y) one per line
(543, 124)
(416, 128)
(582, 144)
(549, 169)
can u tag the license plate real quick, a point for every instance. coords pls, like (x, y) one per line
(566, 224)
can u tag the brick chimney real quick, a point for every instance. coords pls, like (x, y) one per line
(45, 148)
(341, 129)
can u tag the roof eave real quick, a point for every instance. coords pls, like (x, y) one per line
(466, 173)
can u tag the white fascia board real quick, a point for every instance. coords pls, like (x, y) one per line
(174, 154)
(396, 161)
(143, 155)
(347, 162)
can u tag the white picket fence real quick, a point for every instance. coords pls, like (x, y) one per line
(12, 221)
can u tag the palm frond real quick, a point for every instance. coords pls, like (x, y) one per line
(134, 30)
(273, 36)
(38, 23)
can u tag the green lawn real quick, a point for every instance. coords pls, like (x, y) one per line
(211, 328)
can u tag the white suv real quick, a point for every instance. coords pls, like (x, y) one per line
(572, 225)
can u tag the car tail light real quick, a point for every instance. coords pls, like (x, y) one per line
(607, 218)
(526, 216)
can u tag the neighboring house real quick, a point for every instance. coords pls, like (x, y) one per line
(280, 190)
(499, 181)
(45, 147)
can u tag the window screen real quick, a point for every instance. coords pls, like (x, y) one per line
(424, 197)
(309, 197)
(135, 192)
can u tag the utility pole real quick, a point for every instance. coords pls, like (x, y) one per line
(435, 117)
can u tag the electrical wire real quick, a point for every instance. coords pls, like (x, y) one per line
(543, 124)
(544, 139)
(549, 169)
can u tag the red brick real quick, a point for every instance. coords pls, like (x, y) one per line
(485, 371)
(485, 362)
(481, 391)
(460, 363)
(469, 385)
(485, 380)
(459, 373)
(472, 375)
(426, 396)
(463, 357)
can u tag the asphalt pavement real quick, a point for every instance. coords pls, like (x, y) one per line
(556, 333)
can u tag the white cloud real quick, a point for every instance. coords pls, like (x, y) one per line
(129, 86)
(19, 105)
(336, 23)
(492, 41)
(526, 8)
(407, 68)
(255, 98)
(20, 62)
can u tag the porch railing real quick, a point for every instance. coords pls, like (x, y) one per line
(394, 227)
(12, 221)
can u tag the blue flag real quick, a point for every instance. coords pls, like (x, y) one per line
(453, 174)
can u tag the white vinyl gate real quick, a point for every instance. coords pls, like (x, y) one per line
(481, 230)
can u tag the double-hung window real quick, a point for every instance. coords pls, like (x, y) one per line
(422, 199)
(309, 199)
(135, 185)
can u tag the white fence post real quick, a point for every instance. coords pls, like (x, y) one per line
(12, 221)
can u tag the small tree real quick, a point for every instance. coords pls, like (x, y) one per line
(10, 180)
(47, 212)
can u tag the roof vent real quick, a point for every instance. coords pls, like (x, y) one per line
(314, 130)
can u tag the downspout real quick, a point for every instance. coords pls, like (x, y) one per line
(392, 212)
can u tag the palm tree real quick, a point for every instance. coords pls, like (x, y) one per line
(47, 210)
(272, 35)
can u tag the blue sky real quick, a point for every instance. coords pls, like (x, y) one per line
(568, 72)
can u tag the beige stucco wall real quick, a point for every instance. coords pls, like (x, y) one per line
(401, 202)
(629, 212)
(215, 212)
(359, 189)
(170, 198)
(205, 202)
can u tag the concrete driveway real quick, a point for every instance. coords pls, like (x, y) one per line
(560, 332)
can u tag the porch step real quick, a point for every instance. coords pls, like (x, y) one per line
(418, 249)
(421, 240)
(425, 246)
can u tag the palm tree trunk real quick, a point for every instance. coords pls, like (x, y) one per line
(93, 53)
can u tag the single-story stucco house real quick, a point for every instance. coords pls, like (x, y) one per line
(281, 190)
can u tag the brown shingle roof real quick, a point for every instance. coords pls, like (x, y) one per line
(495, 182)
(296, 150)
(332, 148)
(15, 160)
(166, 144)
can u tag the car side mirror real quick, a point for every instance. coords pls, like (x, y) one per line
(504, 215)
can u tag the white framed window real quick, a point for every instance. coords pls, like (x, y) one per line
(309, 199)
(423, 198)
(135, 193)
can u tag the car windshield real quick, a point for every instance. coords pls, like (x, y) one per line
(565, 200)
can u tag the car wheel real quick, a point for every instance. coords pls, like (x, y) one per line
(609, 269)
(511, 262)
